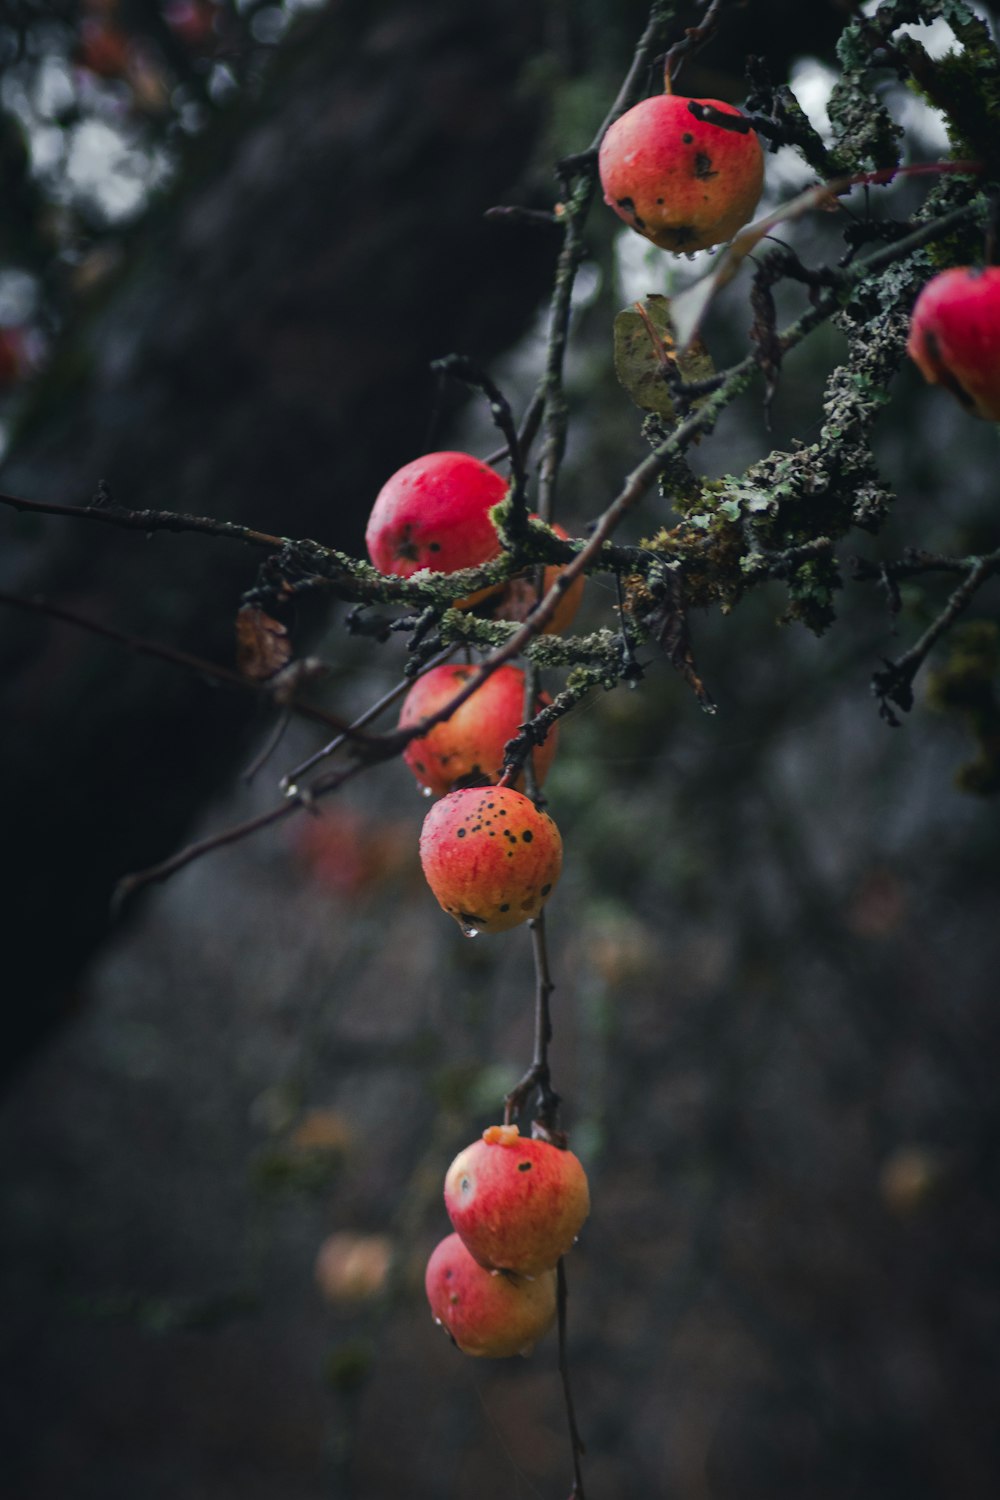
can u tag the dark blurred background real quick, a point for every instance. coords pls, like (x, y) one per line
(234, 238)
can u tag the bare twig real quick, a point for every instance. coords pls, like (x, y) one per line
(546, 1123)
(183, 659)
(155, 874)
(693, 38)
(147, 520)
(386, 701)
(461, 368)
(894, 683)
(562, 1297)
(263, 755)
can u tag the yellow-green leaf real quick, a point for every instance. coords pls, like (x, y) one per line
(645, 344)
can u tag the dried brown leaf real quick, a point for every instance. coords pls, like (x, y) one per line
(262, 644)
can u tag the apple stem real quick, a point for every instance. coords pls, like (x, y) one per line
(532, 685)
(576, 1441)
(693, 38)
(546, 1122)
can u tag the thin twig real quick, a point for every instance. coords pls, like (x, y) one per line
(461, 368)
(526, 433)
(155, 874)
(660, 20)
(562, 1296)
(546, 1123)
(386, 701)
(912, 564)
(274, 739)
(693, 38)
(894, 684)
(147, 520)
(183, 659)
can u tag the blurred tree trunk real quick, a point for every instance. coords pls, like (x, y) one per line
(261, 357)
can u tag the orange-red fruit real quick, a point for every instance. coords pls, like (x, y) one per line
(683, 183)
(517, 1203)
(487, 1315)
(955, 336)
(471, 742)
(490, 857)
(434, 513)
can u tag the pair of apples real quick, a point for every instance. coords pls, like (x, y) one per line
(517, 1205)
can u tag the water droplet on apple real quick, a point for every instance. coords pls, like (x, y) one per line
(425, 791)
(469, 931)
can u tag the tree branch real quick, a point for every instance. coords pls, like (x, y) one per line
(147, 520)
(894, 684)
(271, 689)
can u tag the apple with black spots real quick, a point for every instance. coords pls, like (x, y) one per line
(684, 183)
(491, 857)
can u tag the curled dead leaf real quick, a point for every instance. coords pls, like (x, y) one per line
(262, 644)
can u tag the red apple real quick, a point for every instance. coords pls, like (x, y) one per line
(955, 336)
(434, 513)
(490, 857)
(487, 1314)
(472, 741)
(682, 182)
(517, 1203)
